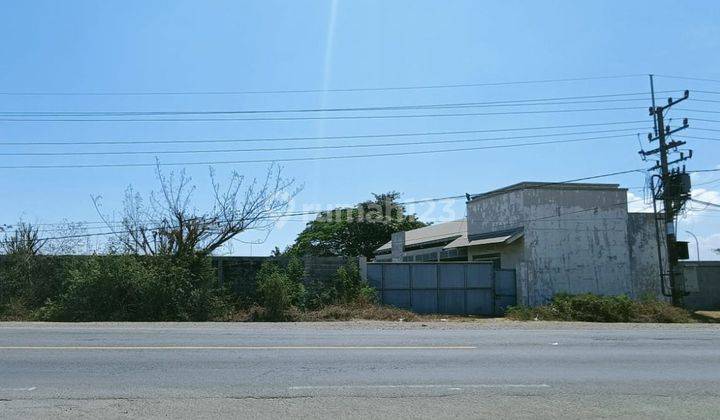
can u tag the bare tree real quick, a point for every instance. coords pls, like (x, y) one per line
(24, 240)
(167, 224)
(68, 238)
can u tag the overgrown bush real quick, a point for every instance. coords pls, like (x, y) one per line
(276, 292)
(132, 288)
(280, 288)
(15, 310)
(345, 287)
(653, 310)
(595, 308)
(350, 286)
(29, 280)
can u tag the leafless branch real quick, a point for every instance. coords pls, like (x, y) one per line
(167, 224)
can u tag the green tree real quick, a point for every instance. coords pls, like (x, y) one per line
(358, 230)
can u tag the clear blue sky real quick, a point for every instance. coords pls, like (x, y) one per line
(155, 46)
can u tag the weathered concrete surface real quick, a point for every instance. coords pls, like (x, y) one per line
(580, 251)
(702, 283)
(359, 370)
(575, 237)
(644, 264)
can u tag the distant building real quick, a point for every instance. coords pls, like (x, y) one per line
(558, 237)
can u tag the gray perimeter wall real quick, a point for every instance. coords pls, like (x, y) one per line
(702, 282)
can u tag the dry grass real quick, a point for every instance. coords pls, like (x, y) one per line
(327, 313)
(358, 312)
(712, 317)
(347, 312)
(595, 308)
(253, 314)
(656, 311)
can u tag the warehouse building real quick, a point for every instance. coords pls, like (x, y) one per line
(558, 237)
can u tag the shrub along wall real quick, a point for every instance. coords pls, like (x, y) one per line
(132, 288)
(32, 280)
(114, 287)
(595, 308)
(240, 273)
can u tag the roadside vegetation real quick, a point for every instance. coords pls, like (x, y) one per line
(157, 264)
(594, 308)
(165, 288)
(171, 286)
(344, 296)
(159, 288)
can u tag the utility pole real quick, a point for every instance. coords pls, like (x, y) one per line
(673, 190)
(656, 219)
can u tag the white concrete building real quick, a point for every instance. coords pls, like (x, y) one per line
(558, 237)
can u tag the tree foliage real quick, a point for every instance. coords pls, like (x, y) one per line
(356, 231)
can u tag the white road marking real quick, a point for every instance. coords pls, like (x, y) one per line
(420, 386)
(238, 347)
(32, 388)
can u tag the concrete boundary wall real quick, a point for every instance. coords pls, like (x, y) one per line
(702, 283)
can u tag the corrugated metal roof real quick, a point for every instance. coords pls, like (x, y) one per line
(439, 232)
(504, 237)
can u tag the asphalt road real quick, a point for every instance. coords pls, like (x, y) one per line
(349, 370)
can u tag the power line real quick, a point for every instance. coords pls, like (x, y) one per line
(298, 159)
(704, 120)
(703, 170)
(356, 89)
(706, 111)
(699, 138)
(704, 129)
(339, 117)
(687, 78)
(712, 181)
(326, 147)
(707, 203)
(292, 214)
(545, 185)
(490, 104)
(404, 203)
(711, 92)
(273, 139)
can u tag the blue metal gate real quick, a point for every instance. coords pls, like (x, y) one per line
(449, 288)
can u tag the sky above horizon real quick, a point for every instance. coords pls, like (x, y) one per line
(328, 53)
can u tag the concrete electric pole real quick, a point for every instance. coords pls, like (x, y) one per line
(673, 189)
